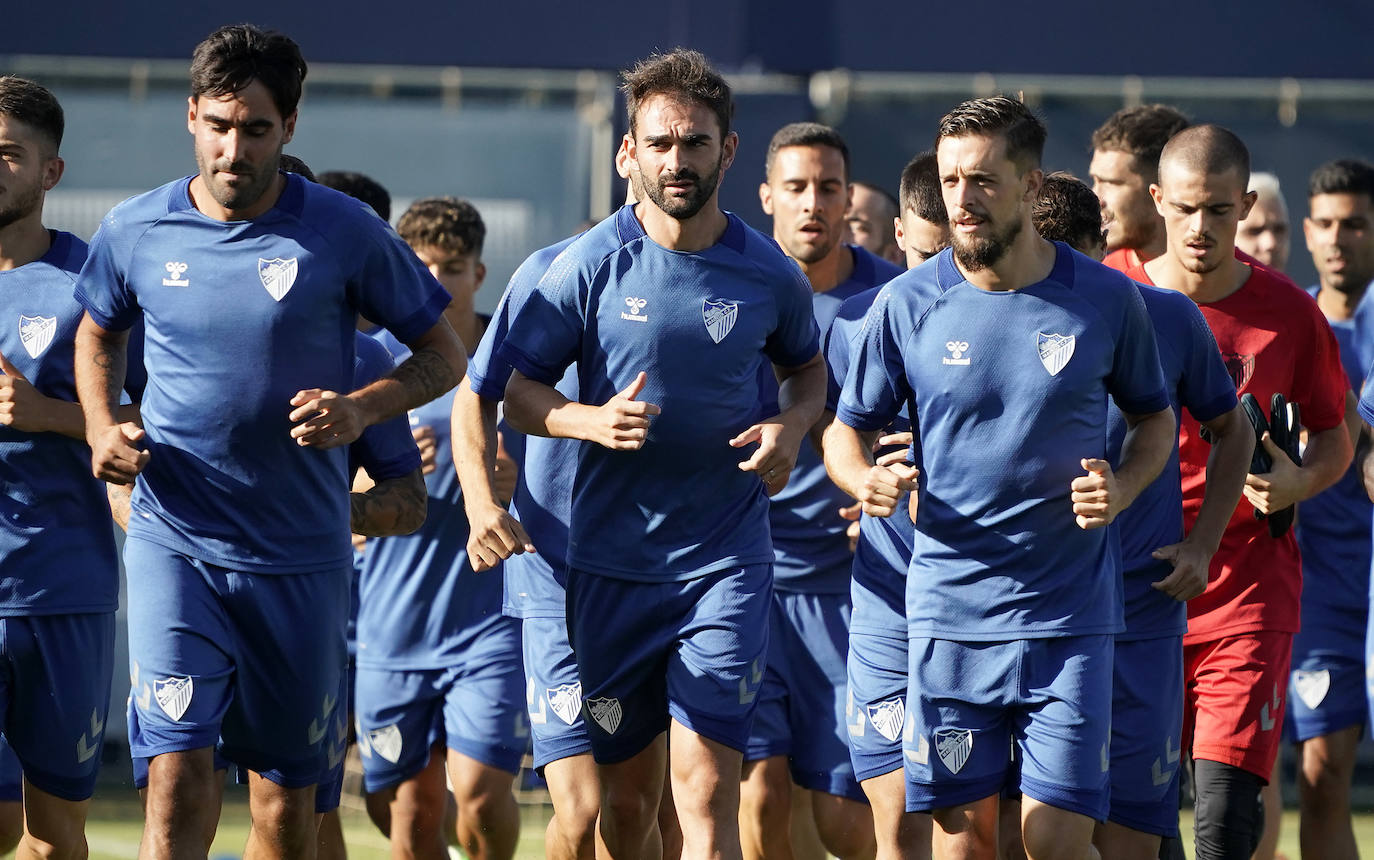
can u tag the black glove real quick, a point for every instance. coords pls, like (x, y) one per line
(1285, 428)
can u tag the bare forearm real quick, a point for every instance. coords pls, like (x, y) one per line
(848, 456)
(396, 506)
(1144, 452)
(801, 395)
(422, 377)
(101, 364)
(473, 425)
(1227, 464)
(120, 496)
(1327, 457)
(537, 409)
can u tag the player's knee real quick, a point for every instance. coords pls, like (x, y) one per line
(630, 806)
(57, 846)
(1229, 819)
(846, 828)
(1324, 783)
(764, 803)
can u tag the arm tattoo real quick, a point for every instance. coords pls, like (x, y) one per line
(424, 376)
(396, 506)
(120, 495)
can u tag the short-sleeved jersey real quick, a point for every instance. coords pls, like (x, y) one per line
(534, 582)
(57, 552)
(240, 316)
(1333, 530)
(696, 323)
(1196, 380)
(809, 541)
(1008, 392)
(1122, 259)
(386, 450)
(883, 552)
(1273, 339)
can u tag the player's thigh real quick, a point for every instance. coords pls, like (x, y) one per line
(553, 692)
(875, 708)
(1146, 721)
(484, 709)
(57, 703)
(1240, 683)
(399, 719)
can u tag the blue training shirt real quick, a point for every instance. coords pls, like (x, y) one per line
(1008, 391)
(809, 541)
(57, 550)
(1196, 378)
(616, 303)
(533, 582)
(240, 316)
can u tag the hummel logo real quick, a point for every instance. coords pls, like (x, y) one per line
(956, 348)
(635, 304)
(175, 270)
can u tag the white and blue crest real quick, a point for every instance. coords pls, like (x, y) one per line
(606, 713)
(888, 717)
(719, 317)
(566, 701)
(1055, 350)
(174, 695)
(36, 333)
(954, 747)
(277, 275)
(386, 742)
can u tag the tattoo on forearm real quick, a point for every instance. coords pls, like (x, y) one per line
(425, 375)
(120, 496)
(393, 507)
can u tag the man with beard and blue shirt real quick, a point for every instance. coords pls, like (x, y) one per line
(799, 734)
(876, 670)
(1159, 572)
(677, 301)
(59, 580)
(250, 282)
(1005, 352)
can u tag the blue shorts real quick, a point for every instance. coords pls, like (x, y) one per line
(250, 661)
(329, 791)
(693, 651)
(801, 710)
(553, 693)
(11, 774)
(968, 701)
(1147, 729)
(876, 711)
(475, 708)
(55, 675)
(1326, 693)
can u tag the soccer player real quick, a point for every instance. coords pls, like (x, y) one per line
(249, 281)
(876, 671)
(1326, 701)
(871, 210)
(440, 685)
(677, 302)
(1160, 571)
(1013, 592)
(1125, 162)
(1274, 340)
(1264, 234)
(799, 733)
(59, 578)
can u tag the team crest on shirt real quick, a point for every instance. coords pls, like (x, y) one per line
(386, 742)
(1055, 350)
(277, 275)
(36, 333)
(1241, 366)
(888, 717)
(719, 317)
(566, 701)
(954, 746)
(1312, 687)
(606, 713)
(174, 695)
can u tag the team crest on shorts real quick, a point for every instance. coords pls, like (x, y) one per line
(1312, 687)
(1055, 350)
(888, 717)
(606, 713)
(954, 746)
(386, 742)
(36, 333)
(174, 695)
(566, 701)
(277, 275)
(719, 317)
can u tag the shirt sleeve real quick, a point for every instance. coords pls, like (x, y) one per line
(386, 450)
(391, 287)
(837, 342)
(796, 339)
(1206, 390)
(1137, 382)
(546, 328)
(875, 386)
(102, 288)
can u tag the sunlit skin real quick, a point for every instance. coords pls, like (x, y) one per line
(807, 193)
(919, 239)
(29, 168)
(1340, 237)
(1128, 212)
(238, 143)
(1201, 212)
(864, 221)
(461, 273)
(1264, 234)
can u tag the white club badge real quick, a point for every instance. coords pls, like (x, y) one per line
(277, 276)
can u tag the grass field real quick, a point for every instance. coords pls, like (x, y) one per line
(115, 826)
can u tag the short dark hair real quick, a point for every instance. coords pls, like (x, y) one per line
(34, 105)
(360, 187)
(679, 74)
(805, 134)
(1342, 176)
(443, 222)
(294, 165)
(1208, 149)
(920, 189)
(1002, 117)
(232, 57)
(1142, 132)
(1068, 211)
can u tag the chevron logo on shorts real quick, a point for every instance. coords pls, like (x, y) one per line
(606, 713)
(174, 695)
(954, 746)
(888, 717)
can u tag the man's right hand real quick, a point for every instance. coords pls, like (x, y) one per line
(623, 422)
(494, 535)
(115, 453)
(884, 485)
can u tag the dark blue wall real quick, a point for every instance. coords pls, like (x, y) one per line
(1322, 38)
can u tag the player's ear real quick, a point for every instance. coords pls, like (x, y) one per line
(480, 274)
(766, 198)
(191, 114)
(1157, 194)
(1035, 180)
(728, 148)
(288, 128)
(1247, 203)
(899, 234)
(52, 172)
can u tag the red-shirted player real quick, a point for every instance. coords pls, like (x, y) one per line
(1125, 163)
(1274, 339)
